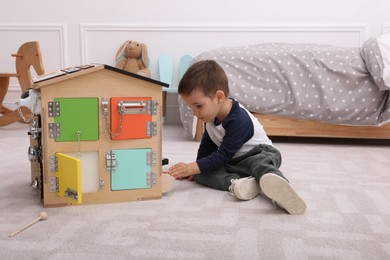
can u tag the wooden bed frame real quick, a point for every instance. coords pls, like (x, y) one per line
(288, 127)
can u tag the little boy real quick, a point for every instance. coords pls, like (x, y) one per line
(235, 153)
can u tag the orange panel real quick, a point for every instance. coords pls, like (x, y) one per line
(129, 119)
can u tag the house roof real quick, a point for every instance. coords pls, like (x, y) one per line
(64, 74)
(136, 76)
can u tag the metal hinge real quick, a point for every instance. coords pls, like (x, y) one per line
(151, 158)
(54, 185)
(54, 130)
(152, 107)
(151, 179)
(111, 161)
(151, 128)
(53, 162)
(54, 108)
(105, 106)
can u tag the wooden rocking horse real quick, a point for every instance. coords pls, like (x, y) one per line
(29, 54)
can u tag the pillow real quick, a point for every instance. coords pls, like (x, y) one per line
(373, 51)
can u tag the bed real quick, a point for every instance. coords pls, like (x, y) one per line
(309, 90)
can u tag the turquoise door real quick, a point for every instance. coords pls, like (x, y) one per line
(132, 170)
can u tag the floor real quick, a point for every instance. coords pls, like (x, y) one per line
(345, 184)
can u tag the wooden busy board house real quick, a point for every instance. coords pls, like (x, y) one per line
(96, 136)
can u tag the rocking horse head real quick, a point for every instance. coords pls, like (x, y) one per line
(29, 54)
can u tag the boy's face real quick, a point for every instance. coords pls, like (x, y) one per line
(203, 107)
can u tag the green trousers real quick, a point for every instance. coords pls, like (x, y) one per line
(260, 160)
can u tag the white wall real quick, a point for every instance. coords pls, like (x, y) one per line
(78, 32)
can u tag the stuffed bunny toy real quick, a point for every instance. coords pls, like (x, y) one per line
(132, 56)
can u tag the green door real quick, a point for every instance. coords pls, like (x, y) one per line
(78, 119)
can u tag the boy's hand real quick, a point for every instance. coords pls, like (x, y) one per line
(182, 170)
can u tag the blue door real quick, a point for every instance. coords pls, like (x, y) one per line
(132, 169)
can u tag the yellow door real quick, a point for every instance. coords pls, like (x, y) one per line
(69, 178)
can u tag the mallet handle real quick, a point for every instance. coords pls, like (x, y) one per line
(25, 226)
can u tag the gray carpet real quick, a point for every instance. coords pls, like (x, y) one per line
(346, 187)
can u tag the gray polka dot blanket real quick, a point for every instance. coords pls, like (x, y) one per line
(338, 85)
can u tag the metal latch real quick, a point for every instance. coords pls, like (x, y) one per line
(71, 193)
(34, 130)
(33, 153)
(54, 108)
(54, 130)
(137, 107)
(151, 128)
(151, 158)
(151, 179)
(132, 107)
(111, 161)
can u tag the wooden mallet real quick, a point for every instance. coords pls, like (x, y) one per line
(42, 216)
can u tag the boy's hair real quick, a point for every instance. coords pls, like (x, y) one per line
(206, 76)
